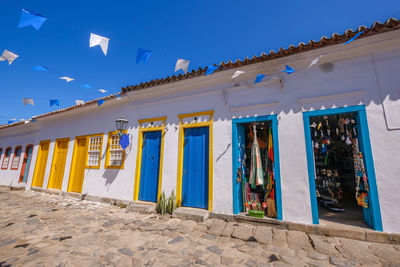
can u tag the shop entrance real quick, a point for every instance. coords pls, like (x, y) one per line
(256, 176)
(150, 166)
(342, 182)
(195, 167)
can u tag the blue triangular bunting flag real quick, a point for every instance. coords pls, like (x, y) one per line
(28, 18)
(100, 102)
(288, 69)
(211, 69)
(54, 102)
(39, 68)
(124, 141)
(355, 37)
(143, 55)
(259, 78)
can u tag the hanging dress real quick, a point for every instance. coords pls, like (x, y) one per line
(256, 171)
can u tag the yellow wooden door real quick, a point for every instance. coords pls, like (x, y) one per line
(58, 165)
(41, 162)
(78, 165)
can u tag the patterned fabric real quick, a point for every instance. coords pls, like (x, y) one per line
(269, 167)
(360, 175)
(256, 170)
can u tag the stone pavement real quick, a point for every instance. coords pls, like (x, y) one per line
(38, 229)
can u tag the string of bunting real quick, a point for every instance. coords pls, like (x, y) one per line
(28, 18)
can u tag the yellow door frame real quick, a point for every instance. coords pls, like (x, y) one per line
(52, 170)
(194, 124)
(74, 160)
(142, 130)
(39, 159)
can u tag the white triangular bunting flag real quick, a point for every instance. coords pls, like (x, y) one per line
(28, 101)
(182, 64)
(238, 73)
(79, 102)
(99, 40)
(9, 56)
(102, 90)
(315, 61)
(67, 79)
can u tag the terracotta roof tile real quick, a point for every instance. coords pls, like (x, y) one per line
(335, 38)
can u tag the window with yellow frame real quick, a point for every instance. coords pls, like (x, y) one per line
(95, 143)
(115, 155)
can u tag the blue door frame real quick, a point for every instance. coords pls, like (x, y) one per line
(365, 146)
(235, 154)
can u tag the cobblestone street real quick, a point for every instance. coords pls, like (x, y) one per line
(38, 229)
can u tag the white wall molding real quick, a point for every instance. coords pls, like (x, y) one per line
(254, 106)
(309, 100)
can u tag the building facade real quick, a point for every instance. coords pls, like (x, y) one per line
(323, 134)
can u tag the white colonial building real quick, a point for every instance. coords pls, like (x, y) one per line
(326, 137)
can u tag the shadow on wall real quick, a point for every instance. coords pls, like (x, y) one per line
(110, 175)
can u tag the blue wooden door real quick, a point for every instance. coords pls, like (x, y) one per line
(195, 167)
(28, 163)
(150, 167)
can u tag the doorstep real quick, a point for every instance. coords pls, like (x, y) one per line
(184, 213)
(141, 207)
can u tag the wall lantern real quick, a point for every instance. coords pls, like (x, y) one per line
(122, 124)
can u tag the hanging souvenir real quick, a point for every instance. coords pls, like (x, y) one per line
(362, 200)
(256, 172)
(348, 141)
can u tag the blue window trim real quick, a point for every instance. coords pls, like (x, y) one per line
(361, 113)
(235, 153)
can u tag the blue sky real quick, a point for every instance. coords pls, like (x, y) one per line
(204, 32)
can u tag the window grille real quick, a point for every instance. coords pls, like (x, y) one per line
(6, 159)
(116, 151)
(15, 161)
(94, 151)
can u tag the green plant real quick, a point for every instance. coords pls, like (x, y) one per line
(162, 204)
(171, 205)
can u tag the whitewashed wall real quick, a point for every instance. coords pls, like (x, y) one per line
(367, 78)
(13, 139)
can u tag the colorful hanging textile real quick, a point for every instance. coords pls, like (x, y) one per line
(360, 175)
(242, 173)
(269, 166)
(362, 200)
(256, 171)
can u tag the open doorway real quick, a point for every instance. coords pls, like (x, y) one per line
(256, 174)
(26, 164)
(342, 177)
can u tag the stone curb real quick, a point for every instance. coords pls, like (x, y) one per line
(321, 230)
(17, 188)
